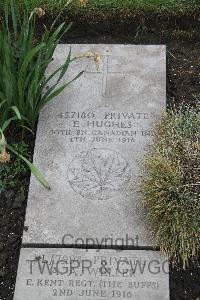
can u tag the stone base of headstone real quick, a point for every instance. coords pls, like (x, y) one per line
(74, 274)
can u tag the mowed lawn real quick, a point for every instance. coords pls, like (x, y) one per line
(155, 5)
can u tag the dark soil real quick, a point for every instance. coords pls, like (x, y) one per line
(12, 213)
(183, 70)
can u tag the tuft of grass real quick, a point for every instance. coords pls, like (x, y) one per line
(53, 6)
(170, 185)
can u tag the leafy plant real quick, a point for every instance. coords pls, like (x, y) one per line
(10, 172)
(171, 183)
(5, 116)
(23, 64)
(24, 60)
(5, 156)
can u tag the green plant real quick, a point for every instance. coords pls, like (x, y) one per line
(4, 155)
(24, 60)
(5, 115)
(171, 183)
(10, 172)
(23, 64)
(5, 158)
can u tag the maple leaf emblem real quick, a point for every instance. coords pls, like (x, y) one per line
(98, 173)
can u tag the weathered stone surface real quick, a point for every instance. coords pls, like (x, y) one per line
(74, 274)
(89, 144)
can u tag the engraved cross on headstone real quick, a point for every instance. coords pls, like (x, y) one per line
(105, 72)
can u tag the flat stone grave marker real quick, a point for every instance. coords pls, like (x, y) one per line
(75, 274)
(90, 144)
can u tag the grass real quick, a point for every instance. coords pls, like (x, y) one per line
(53, 6)
(171, 184)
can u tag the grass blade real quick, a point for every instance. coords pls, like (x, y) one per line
(14, 13)
(7, 123)
(16, 111)
(33, 169)
(29, 57)
(59, 90)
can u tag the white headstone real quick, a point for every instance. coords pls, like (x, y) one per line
(90, 143)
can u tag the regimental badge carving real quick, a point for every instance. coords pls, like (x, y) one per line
(99, 173)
